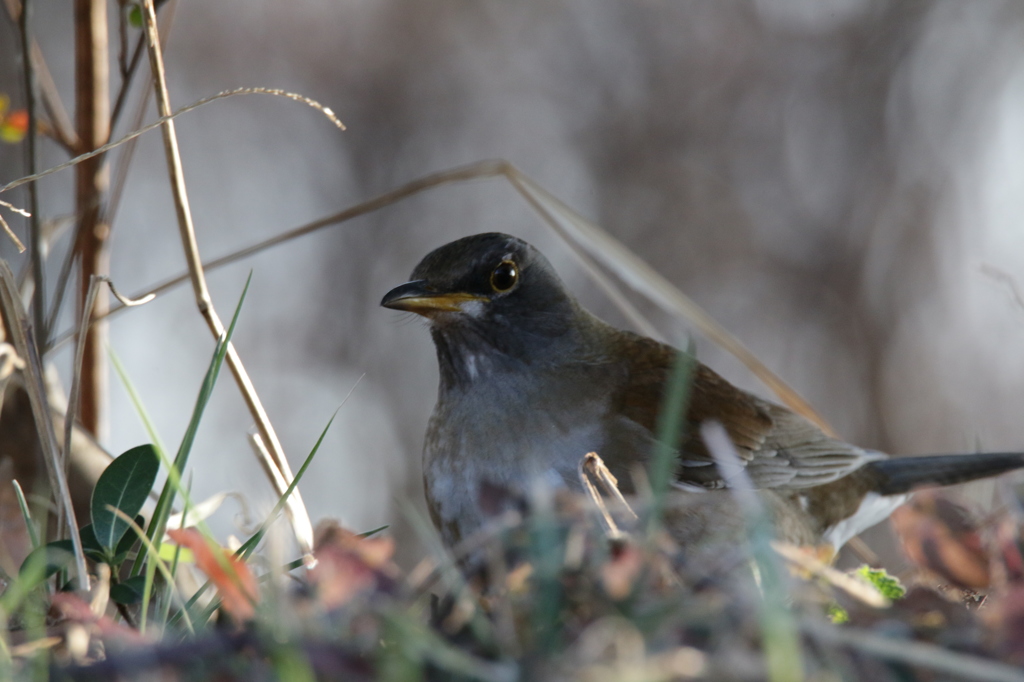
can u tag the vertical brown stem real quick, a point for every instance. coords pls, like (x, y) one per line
(92, 117)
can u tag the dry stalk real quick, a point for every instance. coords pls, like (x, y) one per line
(592, 465)
(299, 520)
(644, 279)
(854, 586)
(21, 335)
(195, 266)
(10, 233)
(158, 123)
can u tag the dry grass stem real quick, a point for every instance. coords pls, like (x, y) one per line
(294, 507)
(191, 248)
(13, 237)
(644, 279)
(852, 585)
(169, 117)
(95, 282)
(586, 469)
(590, 237)
(17, 322)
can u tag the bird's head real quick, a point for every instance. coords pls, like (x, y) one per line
(490, 294)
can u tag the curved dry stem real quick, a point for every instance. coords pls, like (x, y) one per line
(591, 239)
(585, 240)
(326, 111)
(301, 525)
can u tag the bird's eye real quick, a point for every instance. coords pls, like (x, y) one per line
(504, 276)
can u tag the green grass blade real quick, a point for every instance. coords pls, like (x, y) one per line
(140, 408)
(671, 421)
(250, 545)
(158, 525)
(33, 534)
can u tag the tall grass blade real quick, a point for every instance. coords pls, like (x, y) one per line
(158, 525)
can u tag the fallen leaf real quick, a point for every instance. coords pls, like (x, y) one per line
(348, 564)
(939, 536)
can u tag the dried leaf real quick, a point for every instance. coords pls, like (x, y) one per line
(939, 536)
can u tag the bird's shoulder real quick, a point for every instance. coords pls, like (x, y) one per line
(647, 378)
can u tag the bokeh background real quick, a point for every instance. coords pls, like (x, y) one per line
(829, 178)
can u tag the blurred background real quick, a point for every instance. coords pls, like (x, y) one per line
(830, 179)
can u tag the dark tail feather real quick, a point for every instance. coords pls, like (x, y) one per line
(903, 474)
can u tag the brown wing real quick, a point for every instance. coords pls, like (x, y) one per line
(780, 448)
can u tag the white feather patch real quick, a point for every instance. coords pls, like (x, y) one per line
(873, 509)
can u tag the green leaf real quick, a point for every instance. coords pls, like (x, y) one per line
(130, 591)
(837, 614)
(124, 485)
(44, 561)
(135, 16)
(890, 586)
(91, 546)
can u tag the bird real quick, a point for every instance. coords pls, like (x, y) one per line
(530, 382)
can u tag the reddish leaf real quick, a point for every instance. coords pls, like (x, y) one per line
(235, 583)
(14, 126)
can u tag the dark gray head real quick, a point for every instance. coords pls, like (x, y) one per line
(489, 295)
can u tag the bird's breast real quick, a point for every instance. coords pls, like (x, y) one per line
(511, 435)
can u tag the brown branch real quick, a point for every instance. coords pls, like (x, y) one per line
(92, 118)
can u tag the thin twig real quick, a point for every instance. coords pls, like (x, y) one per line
(646, 280)
(169, 117)
(664, 293)
(191, 248)
(124, 161)
(7, 228)
(60, 127)
(95, 282)
(36, 389)
(10, 233)
(126, 78)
